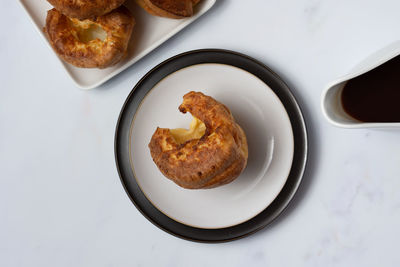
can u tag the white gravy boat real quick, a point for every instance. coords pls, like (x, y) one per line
(331, 97)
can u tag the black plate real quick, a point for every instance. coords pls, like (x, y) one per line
(122, 148)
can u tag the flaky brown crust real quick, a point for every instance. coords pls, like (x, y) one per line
(213, 160)
(63, 34)
(85, 9)
(175, 9)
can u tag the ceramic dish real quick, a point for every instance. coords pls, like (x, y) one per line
(149, 32)
(331, 97)
(260, 102)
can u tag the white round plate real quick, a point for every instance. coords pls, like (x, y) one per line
(266, 124)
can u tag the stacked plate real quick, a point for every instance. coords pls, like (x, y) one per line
(260, 102)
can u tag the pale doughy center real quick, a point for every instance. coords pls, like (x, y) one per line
(87, 31)
(196, 130)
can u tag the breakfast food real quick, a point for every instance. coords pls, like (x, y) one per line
(97, 43)
(175, 9)
(85, 9)
(212, 153)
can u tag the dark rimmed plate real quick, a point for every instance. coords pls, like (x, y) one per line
(144, 201)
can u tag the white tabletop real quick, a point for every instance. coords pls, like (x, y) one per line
(61, 200)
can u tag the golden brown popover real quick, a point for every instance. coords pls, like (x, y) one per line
(175, 9)
(85, 9)
(76, 41)
(215, 156)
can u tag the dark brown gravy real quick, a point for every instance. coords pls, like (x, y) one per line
(375, 95)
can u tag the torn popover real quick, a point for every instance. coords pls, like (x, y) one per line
(213, 152)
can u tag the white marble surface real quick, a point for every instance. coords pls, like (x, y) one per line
(61, 201)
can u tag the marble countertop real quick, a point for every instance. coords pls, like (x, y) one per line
(62, 203)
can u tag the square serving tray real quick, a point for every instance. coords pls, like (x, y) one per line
(149, 32)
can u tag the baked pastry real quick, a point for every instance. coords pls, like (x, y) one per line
(212, 153)
(85, 9)
(175, 9)
(97, 43)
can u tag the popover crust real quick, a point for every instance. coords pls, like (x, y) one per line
(85, 9)
(217, 158)
(64, 32)
(175, 9)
